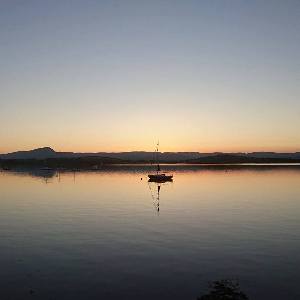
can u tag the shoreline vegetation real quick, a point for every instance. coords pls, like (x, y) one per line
(95, 163)
(47, 158)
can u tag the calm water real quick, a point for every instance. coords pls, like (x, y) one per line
(99, 235)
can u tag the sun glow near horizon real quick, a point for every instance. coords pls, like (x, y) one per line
(198, 76)
(179, 146)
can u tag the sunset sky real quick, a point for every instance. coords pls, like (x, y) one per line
(118, 75)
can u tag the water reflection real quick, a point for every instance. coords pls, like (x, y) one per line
(154, 187)
(143, 168)
(98, 237)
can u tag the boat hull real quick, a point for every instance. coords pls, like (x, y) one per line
(160, 177)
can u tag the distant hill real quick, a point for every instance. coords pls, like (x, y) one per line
(40, 153)
(167, 157)
(47, 152)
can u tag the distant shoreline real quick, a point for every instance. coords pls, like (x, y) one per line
(47, 158)
(95, 163)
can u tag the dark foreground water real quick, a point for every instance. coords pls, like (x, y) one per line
(99, 235)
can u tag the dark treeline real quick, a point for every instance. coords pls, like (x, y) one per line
(239, 159)
(98, 162)
(66, 163)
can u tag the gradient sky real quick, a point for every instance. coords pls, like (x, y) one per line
(118, 75)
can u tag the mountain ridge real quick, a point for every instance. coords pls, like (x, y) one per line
(50, 153)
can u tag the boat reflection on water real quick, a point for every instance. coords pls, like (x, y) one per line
(154, 187)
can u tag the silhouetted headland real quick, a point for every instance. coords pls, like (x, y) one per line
(48, 158)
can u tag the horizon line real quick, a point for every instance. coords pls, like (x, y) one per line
(131, 151)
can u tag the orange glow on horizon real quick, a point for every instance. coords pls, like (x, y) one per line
(163, 148)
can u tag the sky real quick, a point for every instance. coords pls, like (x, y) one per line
(119, 75)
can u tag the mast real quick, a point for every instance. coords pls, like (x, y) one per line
(157, 161)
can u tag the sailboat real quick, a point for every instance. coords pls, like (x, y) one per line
(158, 176)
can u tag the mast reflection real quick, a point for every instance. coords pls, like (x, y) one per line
(155, 186)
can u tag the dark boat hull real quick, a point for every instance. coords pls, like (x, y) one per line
(160, 177)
